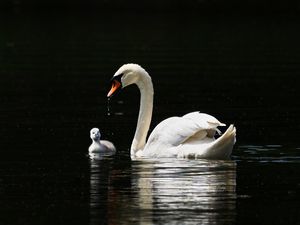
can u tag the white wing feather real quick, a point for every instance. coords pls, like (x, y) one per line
(174, 131)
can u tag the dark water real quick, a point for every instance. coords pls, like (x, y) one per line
(55, 69)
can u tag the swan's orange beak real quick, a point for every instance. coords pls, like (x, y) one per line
(114, 87)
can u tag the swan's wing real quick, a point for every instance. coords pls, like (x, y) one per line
(203, 118)
(208, 148)
(208, 122)
(176, 130)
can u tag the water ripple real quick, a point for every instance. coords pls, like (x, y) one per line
(170, 191)
(267, 153)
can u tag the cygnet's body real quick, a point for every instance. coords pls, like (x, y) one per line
(100, 147)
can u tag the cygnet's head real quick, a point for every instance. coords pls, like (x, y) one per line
(126, 75)
(95, 134)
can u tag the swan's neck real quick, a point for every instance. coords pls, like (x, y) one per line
(145, 114)
(96, 141)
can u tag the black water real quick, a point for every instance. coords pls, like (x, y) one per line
(55, 71)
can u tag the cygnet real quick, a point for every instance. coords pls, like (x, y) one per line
(100, 147)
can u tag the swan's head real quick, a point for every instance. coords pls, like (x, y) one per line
(95, 134)
(126, 75)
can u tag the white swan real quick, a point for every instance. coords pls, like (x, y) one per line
(190, 136)
(100, 147)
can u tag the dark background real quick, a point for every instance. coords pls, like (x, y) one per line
(162, 6)
(237, 60)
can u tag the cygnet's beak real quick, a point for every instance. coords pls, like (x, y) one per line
(115, 85)
(95, 137)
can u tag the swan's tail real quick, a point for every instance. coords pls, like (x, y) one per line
(222, 147)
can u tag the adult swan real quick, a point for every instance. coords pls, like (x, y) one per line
(189, 136)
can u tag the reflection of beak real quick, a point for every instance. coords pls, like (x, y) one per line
(114, 87)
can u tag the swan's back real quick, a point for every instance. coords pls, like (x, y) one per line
(173, 134)
(209, 148)
(176, 130)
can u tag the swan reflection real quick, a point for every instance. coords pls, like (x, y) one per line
(168, 191)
